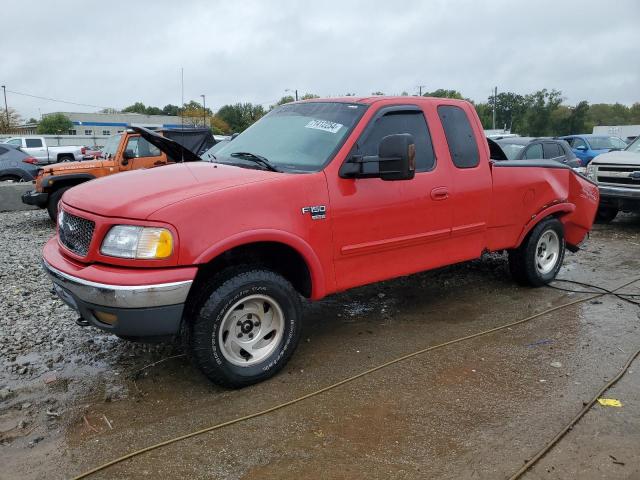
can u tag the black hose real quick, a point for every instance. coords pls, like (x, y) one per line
(595, 289)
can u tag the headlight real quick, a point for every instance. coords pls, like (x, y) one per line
(591, 171)
(130, 241)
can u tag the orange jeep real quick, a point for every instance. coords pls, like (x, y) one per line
(131, 150)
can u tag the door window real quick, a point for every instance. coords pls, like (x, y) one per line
(533, 152)
(460, 138)
(412, 122)
(141, 148)
(578, 142)
(552, 150)
(33, 142)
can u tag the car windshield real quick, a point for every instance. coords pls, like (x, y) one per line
(294, 137)
(111, 146)
(634, 146)
(511, 150)
(603, 143)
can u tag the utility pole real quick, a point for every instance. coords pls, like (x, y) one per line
(420, 87)
(204, 110)
(495, 101)
(296, 94)
(6, 109)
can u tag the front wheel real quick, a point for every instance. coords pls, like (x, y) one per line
(537, 261)
(52, 204)
(606, 214)
(246, 328)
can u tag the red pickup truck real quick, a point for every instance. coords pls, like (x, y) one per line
(317, 197)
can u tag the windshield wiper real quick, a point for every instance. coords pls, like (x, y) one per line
(259, 159)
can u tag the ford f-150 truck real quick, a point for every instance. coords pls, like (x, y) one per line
(618, 176)
(122, 152)
(38, 148)
(316, 197)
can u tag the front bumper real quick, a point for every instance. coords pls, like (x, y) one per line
(32, 197)
(619, 192)
(137, 311)
(621, 198)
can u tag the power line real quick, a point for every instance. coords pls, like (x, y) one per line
(57, 100)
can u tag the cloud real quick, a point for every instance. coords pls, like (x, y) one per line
(117, 53)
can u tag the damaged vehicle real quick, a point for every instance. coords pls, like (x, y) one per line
(316, 197)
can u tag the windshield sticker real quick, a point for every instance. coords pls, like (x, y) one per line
(324, 125)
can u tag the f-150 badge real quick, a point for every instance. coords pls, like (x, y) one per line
(318, 212)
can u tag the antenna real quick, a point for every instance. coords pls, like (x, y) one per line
(182, 106)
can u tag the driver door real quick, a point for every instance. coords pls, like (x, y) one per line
(383, 229)
(144, 155)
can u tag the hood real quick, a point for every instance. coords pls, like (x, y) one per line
(139, 193)
(64, 167)
(173, 149)
(618, 157)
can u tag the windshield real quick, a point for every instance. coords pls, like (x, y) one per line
(298, 136)
(634, 146)
(111, 146)
(603, 143)
(511, 150)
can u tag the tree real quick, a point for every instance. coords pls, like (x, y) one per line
(170, 110)
(153, 111)
(56, 123)
(137, 107)
(444, 93)
(241, 115)
(14, 120)
(377, 93)
(285, 99)
(219, 126)
(309, 96)
(540, 105)
(194, 113)
(578, 120)
(32, 120)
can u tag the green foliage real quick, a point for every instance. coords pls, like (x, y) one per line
(170, 110)
(285, 99)
(14, 120)
(137, 107)
(444, 93)
(54, 124)
(377, 93)
(309, 96)
(240, 116)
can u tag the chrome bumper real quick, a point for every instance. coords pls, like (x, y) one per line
(119, 296)
(619, 192)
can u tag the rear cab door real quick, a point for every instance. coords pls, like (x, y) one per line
(36, 148)
(467, 151)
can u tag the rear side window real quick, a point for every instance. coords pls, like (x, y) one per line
(33, 142)
(460, 138)
(412, 122)
(552, 150)
(534, 152)
(3, 150)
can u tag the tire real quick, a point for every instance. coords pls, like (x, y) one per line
(66, 158)
(54, 199)
(245, 327)
(11, 178)
(537, 261)
(606, 214)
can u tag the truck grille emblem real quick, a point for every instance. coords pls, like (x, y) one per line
(318, 212)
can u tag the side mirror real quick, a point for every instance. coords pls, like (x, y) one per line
(127, 155)
(396, 160)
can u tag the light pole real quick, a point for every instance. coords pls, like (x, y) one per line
(204, 110)
(6, 109)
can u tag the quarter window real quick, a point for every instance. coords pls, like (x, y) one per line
(412, 122)
(578, 142)
(460, 138)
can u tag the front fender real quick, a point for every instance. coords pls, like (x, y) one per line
(277, 236)
(56, 180)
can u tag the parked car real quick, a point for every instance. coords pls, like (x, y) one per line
(527, 148)
(121, 153)
(15, 165)
(92, 153)
(588, 146)
(618, 177)
(315, 198)
(37, 147)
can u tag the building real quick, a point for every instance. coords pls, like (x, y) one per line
(625, 132)
(105, 124)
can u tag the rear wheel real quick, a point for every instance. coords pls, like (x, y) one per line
(54, 199)
(606, 214)
(246, 327)
(537, 261)
(11, 178)
(66, 158)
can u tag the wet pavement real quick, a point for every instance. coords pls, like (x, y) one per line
(477, 409)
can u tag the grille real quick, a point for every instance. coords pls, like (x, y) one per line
(75, 233)
(619, 175)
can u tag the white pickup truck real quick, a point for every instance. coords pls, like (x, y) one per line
(37, 147)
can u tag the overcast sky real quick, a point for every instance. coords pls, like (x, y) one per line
(115, 53)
